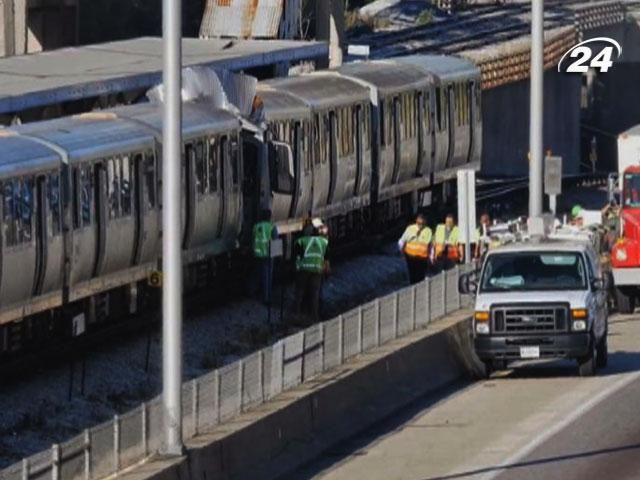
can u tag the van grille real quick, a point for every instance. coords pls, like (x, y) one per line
(530, 319)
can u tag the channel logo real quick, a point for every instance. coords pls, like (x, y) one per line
(586, 58)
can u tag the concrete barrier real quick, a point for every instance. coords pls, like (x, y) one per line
(298, 425)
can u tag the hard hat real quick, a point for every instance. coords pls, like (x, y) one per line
(576, 211)
(317, 223)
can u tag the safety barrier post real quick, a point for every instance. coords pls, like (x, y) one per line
(55, 462)
(25, 468)
(87, 454)
(116, 443)
(145, 437)
(194, 405)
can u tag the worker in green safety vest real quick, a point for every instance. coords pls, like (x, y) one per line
(311, 252)
(447, 249)
(263, 233)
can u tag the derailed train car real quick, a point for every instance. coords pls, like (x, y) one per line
(81, 196)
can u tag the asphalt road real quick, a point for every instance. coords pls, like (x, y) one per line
(537, 422)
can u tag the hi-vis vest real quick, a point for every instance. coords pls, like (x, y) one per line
(313, 251)
(441, 241)
(261, 237)
(416, 241)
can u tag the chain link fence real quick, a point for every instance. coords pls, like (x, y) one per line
(225, 393)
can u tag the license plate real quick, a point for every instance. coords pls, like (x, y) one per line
(529, 352)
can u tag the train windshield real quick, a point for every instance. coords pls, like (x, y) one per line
(631, 190)
(524, 271)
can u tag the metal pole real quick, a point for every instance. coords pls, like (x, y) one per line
(171, 228)
(537, 92)
(553, 203)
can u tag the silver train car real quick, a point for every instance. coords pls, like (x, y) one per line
(81, 196)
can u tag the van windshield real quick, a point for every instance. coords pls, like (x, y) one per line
(523, 271)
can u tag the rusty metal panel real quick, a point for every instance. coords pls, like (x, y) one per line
(242, 18)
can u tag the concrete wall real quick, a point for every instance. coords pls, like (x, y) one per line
(505, 120)
(300, 424)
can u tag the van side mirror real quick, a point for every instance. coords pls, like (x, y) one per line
(281, 168)
(597, 284)
(467, 284)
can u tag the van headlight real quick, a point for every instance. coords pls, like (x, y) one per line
(579, 325)
(482, 328)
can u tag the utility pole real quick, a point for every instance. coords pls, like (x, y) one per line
(171, 227)
(537, 109)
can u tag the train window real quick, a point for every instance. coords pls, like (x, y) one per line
(201, 168)
(307, 152)
(150, 179)
(235, 160)
(54, 203)
(213, 165)
(18, 204)
(86, 194)
(383, 137)
(8, 207)
(439, 108)
(113, 187)
(125, 184)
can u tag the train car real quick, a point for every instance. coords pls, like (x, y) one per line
(340, 139)
(288, 119)
(402, 118)
(458, 115)
(81, 206)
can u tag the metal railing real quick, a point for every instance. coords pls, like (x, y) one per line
(228, 391)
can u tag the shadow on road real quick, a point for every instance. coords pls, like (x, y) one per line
(541, 461)
(619, 362)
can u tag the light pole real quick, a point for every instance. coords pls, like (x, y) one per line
(537, 109)
(171, 228)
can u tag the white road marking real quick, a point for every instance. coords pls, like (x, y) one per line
(546, 435)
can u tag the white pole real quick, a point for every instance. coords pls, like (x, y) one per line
(553, 204)
(536, 123)
(171, 228)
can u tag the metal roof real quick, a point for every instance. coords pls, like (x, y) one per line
(282, 105)
(322, 89)
(546, 245)
(389, 76)
(445, 67)
(22, 156)
(57, 76)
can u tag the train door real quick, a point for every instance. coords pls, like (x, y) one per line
(303, 196)
(85, 219)
(364, 144)
(148, 214)
(321, 170)
(463, 124)
(451, 120)
(19, 247)
(231, 174)
(49, 234)
(117, 222)
(422, 166)
(397, 142)
(333, 156)
(440, 104)
(359, 144)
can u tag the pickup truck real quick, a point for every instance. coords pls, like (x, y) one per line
(540, 299)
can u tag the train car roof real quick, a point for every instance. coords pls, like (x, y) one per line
(91, 136)
(323, 89)
(445, 67)
(197, 119)
(22, 156)
(280, 105)
(388, 76)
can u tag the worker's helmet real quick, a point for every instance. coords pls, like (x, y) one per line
(576, 211)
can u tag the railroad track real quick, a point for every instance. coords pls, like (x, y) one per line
(472, 29)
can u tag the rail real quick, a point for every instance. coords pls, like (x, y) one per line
(223, 394)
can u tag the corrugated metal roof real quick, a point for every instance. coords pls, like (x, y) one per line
(59, 76)
(242, 18)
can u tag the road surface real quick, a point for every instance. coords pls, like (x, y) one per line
(538, 422)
